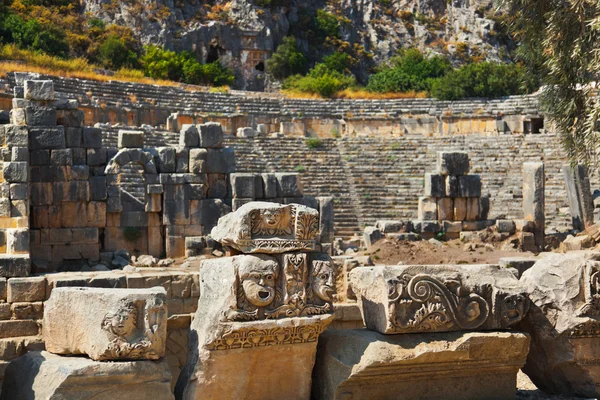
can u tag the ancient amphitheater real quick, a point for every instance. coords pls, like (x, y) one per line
(167, 242)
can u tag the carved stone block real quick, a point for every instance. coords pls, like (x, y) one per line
(360, 364)
(261, 227)
(258, 317)
(107, 324)
(42, 375)
(564, 324)
(438, 298)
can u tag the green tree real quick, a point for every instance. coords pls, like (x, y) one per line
(286, 60)
(115, 55)
(320, 80)
(32, 35)
(327, 24)
(560, 43)
(410, 70)
(479, 80)
(338, 61)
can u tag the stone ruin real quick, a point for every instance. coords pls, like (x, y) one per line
(277, 317)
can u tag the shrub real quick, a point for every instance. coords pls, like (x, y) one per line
(32, 35)
(320, 80)
(411, 70)
(115, 55)
(286, 60)
(338, 61)
(480, 80)
(327, 24)
(313, 143)
(299, 168)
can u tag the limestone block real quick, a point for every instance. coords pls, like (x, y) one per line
(19, 154)
(16, 171)
(17, 116)
(130, 139)
(361, 364)
(505, 225)
(61, 157)
(472, 209)
(40, 116)
(438, 298)
(71, 191)
(42, 375)
(107, 324)
(14, 265)
(38, 90)
(19, 208)
(198, 159)
(452, 162)
(469, 186)
(390, 226)
(521, 264)
(3, 289)
(73, 137)
(16, 136)
(288, 185)
(220, 161)
(326, 219)
(92, 138)
(275, 312)
(452, 227)
(16, 328)
(261, 227)
(484, 206)
(460, 209)
(243, 185)
(371, 235)
(534, 198)
(210, 211)
(47, 137)
(167, 159)
(435, 185)
(4, 207)
(40, 157)
(238, 202)
(188, 136)
(17, 241)
(445, 209)
(183, 159)
(426, 226)
(269, 185)
(26, 289)
(563, 325)
(96, 157)
(427, 208)
(211, 135)
(217, 186)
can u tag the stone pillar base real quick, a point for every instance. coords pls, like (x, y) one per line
(42, 375)
(362, 364)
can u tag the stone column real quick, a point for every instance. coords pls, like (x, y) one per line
(579, 193)
(533, 198)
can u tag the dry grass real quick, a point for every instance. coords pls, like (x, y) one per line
(356, 94)
(17, 60)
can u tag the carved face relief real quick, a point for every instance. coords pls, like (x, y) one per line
(123, 322)
(323, 280)
(514, 308)
(258, 281)
(272, 222)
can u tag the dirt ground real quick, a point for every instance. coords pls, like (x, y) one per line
(392, 252)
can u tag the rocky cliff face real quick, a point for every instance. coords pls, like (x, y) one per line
(242, 33)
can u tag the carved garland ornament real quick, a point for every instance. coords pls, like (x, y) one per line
(422, 303)
(251, 337)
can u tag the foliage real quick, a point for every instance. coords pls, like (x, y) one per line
(115, 55)
(313, 142)
(299, 168)
(320, 80)
(31, 34)
(340, 62)
(159, 63)
(411, 70)
(479, 80)
(327, 24)
(562, 41)
(286, 60)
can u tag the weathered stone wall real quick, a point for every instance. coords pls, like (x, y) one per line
(136, 104)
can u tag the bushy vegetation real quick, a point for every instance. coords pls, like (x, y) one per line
(411, 70)
(483, 79)
(286, 60)
(320, 80)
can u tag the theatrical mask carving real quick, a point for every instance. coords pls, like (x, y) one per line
(513, 309)
(272, 222)
(129, 337)
(267, 290)
(423, 303)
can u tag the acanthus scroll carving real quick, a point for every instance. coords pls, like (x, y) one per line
(423, 303)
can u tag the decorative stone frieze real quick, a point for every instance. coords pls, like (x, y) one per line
(107, 324)
(261, 227)
(438, 298)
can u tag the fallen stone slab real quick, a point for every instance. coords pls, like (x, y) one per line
(261, 227)
(42, 375)
(358, 364)
(106, 324)
(564, 324)
(438, 298)
(258, 339)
